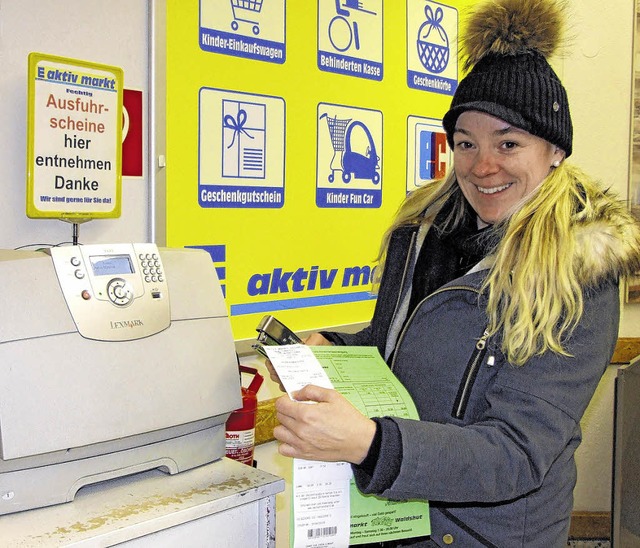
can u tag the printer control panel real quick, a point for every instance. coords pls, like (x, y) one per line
(115, 292)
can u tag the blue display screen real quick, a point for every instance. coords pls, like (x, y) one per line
(109, 265)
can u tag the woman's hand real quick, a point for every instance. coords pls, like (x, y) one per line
(273, 375)
(316, 339)
(330, 429)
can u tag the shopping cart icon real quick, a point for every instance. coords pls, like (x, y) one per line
(345, 159)
(246, 11)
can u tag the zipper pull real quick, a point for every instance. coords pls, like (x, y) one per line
(482, 341)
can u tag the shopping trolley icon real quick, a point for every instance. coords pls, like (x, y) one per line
(345, 159)
(246, 11)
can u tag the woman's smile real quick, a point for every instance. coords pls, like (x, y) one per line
(493, 190)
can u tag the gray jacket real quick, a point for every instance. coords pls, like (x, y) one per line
(493, 451)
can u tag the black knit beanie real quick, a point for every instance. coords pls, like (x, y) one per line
(507, 45)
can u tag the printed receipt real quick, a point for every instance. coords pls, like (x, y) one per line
(328, 509)
(297, 366)
(321, 506)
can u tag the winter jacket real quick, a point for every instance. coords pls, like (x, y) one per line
(493, 451)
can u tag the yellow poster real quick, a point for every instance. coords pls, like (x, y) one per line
(293, 132)
(74, 139)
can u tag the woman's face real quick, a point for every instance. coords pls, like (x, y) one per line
(497, 165)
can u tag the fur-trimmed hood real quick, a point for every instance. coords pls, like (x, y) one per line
(607, 241)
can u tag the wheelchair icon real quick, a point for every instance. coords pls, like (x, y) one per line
(342, 32)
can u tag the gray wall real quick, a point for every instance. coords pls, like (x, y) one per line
(113, 32)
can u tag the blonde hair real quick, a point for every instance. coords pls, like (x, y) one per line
(534, 292)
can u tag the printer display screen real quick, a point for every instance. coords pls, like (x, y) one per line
(109, 265)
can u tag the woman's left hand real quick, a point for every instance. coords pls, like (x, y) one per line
(330, 429)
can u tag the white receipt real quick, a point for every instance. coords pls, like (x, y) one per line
(321, 499)
(297, 366)
(321, 504)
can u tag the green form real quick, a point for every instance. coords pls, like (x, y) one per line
(328, 510)
(361, 375)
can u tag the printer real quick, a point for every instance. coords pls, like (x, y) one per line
(114, 359)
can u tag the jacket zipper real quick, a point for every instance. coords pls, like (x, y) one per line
(410, 318)
(464, 392)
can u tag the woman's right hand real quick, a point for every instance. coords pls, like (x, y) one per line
(331, 430)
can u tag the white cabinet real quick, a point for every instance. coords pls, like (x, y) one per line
(221, 504)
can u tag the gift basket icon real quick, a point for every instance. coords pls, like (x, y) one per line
(245, 11)
(433, 42)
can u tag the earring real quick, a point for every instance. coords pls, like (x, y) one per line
(556, 163)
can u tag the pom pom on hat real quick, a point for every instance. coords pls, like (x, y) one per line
(510, 27)
(506, 46)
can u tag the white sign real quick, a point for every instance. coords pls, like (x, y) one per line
(74, 139)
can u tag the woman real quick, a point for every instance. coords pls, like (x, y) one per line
(498, 309)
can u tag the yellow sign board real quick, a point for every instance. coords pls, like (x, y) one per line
(74, 139)
(293, 132)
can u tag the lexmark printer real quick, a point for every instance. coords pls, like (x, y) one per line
(114, 359)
